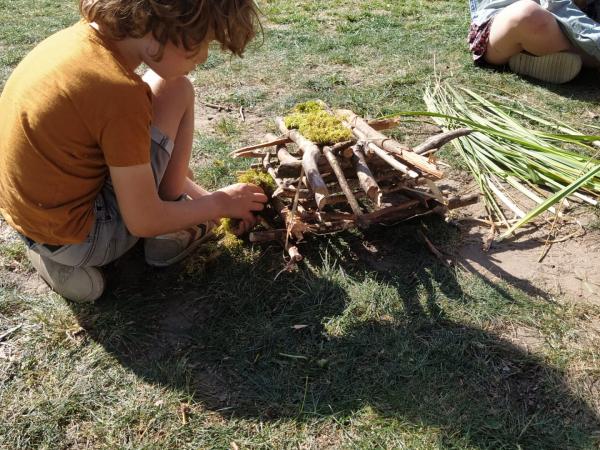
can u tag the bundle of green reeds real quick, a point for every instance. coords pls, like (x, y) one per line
(545, 160)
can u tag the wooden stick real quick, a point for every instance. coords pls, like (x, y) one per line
(333, 227)
(390, 145)
(432, 248)
(217, 107)
(278, 181)
(310, 160)
(384, 124)
(391, 160)
(290, 166)
(365, 176)
(281, 185)
(291, 169)
(339, 173)
(272, 142)
(267, 236)
(385, 156)
(297, 228)
(285, 157)
(320, 216)
(340, 147)
(290, 192)
(341, 198)
(439, 140)
(389, 213)
(250, 154)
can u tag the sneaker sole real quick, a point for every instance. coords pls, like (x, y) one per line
(556, 68)
(193, 246)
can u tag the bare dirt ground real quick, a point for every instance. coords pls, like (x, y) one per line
(569, 270)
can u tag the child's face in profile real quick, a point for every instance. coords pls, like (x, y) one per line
(177, 61)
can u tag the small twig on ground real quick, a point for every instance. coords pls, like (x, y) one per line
(432, 248)
(242, 116)
(217, 107)
(287, 355)
(9, 332)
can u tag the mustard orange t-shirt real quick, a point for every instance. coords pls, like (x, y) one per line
(69, 110)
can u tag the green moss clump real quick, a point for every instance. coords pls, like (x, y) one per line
(231, 242)
(227, 226)
(310, 106)
(317, 125)
(225, 233)
(225, 230)
(259, 178)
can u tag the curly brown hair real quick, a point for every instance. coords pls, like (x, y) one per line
(182, 22)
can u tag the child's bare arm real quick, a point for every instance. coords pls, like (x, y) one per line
(146, 215)
(193, 190)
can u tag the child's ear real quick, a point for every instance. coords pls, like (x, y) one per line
(151, 47)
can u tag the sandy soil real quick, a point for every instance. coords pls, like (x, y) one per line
(569, 270)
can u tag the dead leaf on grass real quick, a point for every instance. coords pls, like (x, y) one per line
(77, 334)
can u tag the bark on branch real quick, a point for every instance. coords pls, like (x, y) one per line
(339, 173)
(365, 176)
(439, 140)
(310, 161)
(390, 145)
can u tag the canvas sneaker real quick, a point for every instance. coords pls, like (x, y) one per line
(167, 249)
(554, 68)
(79, 284)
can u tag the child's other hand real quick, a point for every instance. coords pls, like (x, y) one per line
(241, 200)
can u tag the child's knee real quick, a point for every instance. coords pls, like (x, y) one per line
(529, 17)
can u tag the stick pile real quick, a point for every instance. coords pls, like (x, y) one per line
(371, 179)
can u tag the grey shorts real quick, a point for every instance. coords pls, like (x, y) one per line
(109, 238)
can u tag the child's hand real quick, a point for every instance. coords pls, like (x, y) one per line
(245, 226)
(241, 200)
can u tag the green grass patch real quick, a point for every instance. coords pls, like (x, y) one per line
(369, 343)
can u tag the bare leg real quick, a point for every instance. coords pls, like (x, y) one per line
(173, 114)
(524, 26)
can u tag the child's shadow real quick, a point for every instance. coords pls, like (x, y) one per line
(297, 348)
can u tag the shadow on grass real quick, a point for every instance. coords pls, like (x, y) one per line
(585, 87)
(388, 337)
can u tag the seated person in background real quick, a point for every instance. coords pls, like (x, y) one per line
(548, 40)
